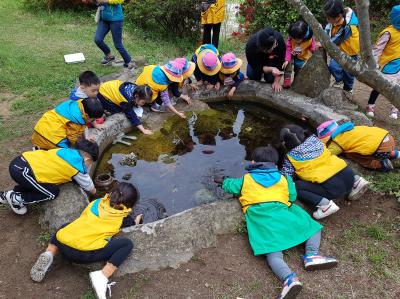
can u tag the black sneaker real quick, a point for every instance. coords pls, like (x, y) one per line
(15, 203)
(386, 165)
(107, 60)
(130, 65)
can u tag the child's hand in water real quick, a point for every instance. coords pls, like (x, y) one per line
(147, 132)
(181, 114)
(231, 93)
(139, 219)
(219, 179)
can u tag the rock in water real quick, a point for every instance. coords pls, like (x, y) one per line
(151, 209)
(314, 77)
(128, 160)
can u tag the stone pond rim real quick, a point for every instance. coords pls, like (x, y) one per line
(174, 240)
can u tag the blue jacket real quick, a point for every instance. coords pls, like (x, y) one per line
(112, 12)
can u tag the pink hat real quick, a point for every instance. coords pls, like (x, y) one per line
(188, 67)
(173, 70)
(208, 62)
(230, 63)
(326, 129)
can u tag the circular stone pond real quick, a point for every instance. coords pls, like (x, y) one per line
(174, 168)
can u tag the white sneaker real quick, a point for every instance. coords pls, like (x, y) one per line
(370, 110)
(15, 203)
(359, 188)
(319, 262)
(99, 283)
(325, 211)
(41, 266)
(394, 113)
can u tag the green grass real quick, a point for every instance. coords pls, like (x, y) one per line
(388, 183)
(89, 294)
(43, 238)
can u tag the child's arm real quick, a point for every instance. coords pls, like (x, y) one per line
(130, 221)
(335, 148)
(232, 185)
(84, 180)
(167, 103)
(237, 79)
(133, 118)
(380, 45)
(287, 168)
(292, 189)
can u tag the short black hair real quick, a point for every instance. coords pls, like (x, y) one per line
(265, 40)
(265, 154)
(89, 147)
(298, 30)
(88, 78)
(333, 8)
(124, 194)
(144, 92)
(93, 107)
(293, 135)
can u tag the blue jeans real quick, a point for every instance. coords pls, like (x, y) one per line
(253, 74)
(341, 75)
(103, 27)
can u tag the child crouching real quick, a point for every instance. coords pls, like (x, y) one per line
(274, 222)
(89, 238)
(230, 74)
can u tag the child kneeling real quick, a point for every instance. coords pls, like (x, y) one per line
(274, 222)
(89, 238)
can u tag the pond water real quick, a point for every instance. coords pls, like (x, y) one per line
(175, 167)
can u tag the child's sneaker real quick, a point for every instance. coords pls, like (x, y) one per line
(157, 108)
(99, 283)
(107, 60)
(15, 202)
(291, 287)
(41, 266)
(130, 65)
(370, 110)
(337, 84)
(386, 165)
(394, 112)
(359, 187)
(325, 211)
(319, 262)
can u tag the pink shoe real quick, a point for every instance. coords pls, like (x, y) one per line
(370, 110)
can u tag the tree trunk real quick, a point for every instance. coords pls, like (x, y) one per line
(365, 70)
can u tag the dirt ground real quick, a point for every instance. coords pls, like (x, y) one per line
(229, 270)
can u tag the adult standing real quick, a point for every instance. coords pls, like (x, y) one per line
(265, 53)
(111, 18)
(212, 15)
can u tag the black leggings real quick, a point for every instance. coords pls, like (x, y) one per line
(207, 34)
(115, 252)
(336, 187)
(373, 96)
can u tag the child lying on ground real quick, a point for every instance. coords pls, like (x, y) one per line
(274, 222)
(89, 238)
(230, 74)
(117, 96)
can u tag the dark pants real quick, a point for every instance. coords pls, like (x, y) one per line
(115, 252)
(337, 187)
(257, 75)
(108, 105)
(103, 27)
(207, 34)
(373, 97)
(340, 74)
(31, 191)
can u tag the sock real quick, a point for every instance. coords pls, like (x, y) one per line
(395, 154)
(324, 201)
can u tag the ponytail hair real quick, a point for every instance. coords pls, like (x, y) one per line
(124, 194)
(293, 135)
(144, 92)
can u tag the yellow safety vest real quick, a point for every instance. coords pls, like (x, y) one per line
(97, 224)
(215, 14)
(54, 128)
(49, 168)
(320, 169)
(305, 49)
(146, 78)
(254, 193)
(350, 46)
(392, 48)
(362, 140)
(110, 90)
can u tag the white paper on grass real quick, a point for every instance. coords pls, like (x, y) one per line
(74, 58)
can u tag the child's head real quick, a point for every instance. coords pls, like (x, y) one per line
(266, 42)
(143, 95)
(93, 108)
(173, 70)
(230, 64)
(124, 195)
(292, 136)
(188, 67)
(395, 17)
(325, 130)
(334, 11)
(89, 150)
(265, 154)
(298, 30)
(89, 83)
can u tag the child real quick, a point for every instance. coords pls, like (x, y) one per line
(89, 238)
(38, 174)
(117, 96)
(208, 64)
(159, 78)
(322, 176)
(274, 222)
(387, 54)
(299, 48)
(188, 78)
(343, 31)
(62, 126)
(230, 74)
(212, 15)
(371, 147)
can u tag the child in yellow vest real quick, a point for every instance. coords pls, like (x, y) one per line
(299, 48)
(39, 173)
(320, 176)
(212, 15)
(117, 96)
(89, 238)
(274, 222)
(371, 147)
(65, 124)
(342, 29)
(387, 54)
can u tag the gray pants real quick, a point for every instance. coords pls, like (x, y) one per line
(278, 265)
